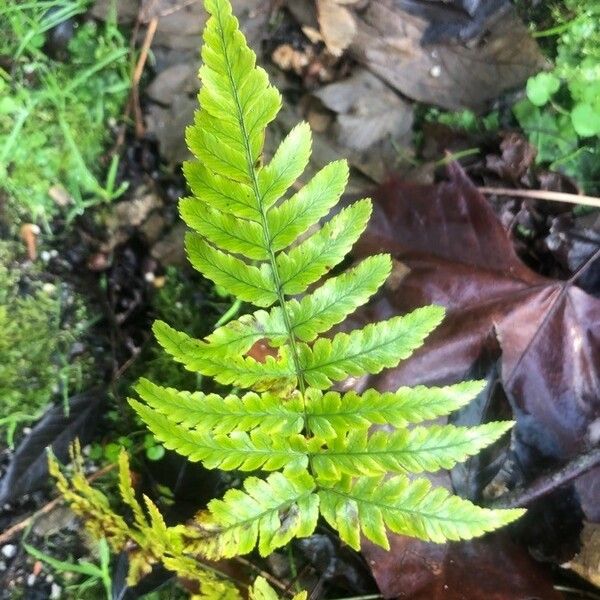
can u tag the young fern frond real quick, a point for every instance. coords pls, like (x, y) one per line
(320, 445)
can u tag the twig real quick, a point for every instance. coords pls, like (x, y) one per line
(137, 75)
(12, 531)
(272, 580)
(544, 195)
(522, 496)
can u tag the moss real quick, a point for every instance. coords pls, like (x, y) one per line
(41, 323)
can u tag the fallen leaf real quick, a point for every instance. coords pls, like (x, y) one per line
(517, 157)
(492, 568)
(28, 468)
(372, 122)
(587, 561)
(389, 42)
(545, 332)
(337, 25)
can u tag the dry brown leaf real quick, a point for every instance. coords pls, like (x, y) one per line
(338, 25)
(388, 41)
(586, 562)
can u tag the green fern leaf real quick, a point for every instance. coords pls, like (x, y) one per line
(333, 414)
(211, 412)
(236, 370)
(224, 230)
(271, 511)
(236, 93)
(416, 450)
(367, 350)
(369, 504)
(293, 217)
(221, 193)
(286, 166)
(246, 452)
(247, 282)
(246, 225)
(311, 259)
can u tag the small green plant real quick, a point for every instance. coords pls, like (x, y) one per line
(39, 323)
(92, 574)
(561, 113)
(318, 447)
(54, 114)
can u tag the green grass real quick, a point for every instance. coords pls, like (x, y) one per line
(55, 115)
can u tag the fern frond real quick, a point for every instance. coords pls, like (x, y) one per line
(236, 93)
(128, 493)
(221, 193)
(271, 511)
(211, 412)
(247, 223)
(237, 370)
(239, 450)
(416, 450)
(100, 520)
(333, 414)
(414, 508)
(211, 586)
(288, 163)
(367, 350)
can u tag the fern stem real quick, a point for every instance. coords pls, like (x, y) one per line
(266, 233)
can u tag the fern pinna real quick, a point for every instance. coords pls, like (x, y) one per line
(317, 446)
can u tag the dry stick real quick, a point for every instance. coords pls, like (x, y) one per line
(522, 496)
(273, 580)
(134, 93)
(9, 533)
(137, 75)
(543, 195)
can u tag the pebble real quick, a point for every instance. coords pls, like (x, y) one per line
(9, 550)
(55, 592)
(2, 566)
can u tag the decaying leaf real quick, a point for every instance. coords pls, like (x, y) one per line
(337, 24)
(587, 561)
(371, 124)
(454, 251)
(490, 569)
(28, 468)
(389, 42)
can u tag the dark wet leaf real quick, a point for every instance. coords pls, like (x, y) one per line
(456, 19)
(28, 469)
(545, 332)
(516, 159)
(493, 568)
(389, 41)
